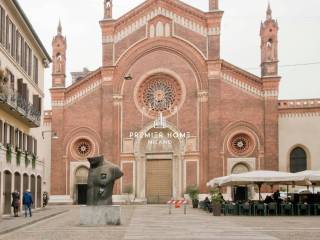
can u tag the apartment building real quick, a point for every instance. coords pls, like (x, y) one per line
(23, 60)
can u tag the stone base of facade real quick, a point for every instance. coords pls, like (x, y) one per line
(100, 215)
(60, 200)
(127, 199)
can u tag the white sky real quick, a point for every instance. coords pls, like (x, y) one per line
(299, 36)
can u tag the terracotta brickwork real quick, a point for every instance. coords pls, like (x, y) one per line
(127, 179)
(191, 173)
(216, 100)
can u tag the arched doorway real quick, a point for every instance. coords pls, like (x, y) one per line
(298, 160)
(7, 184)
(25, 182)
(80, 190)
(39, 191)
(240, 193)
(159, 164)
(33, 189)
(17, 182)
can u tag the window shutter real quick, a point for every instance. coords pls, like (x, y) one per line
(13, 40)
(12, 81)
(1, 131)
(20, 140)
(27, 94)
(17, 46)
(22, 53)
(29, 61)
(23, 142)
(35, 69)
(35, 147)
(20, 86)
(7, 32)
(25, 59)
(2, 25)
(39, 104)
(24, 90)
(5, 129)
(35, 102)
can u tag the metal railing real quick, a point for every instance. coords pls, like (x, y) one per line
(19, 103)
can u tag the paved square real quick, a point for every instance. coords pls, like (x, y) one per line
(153, 222)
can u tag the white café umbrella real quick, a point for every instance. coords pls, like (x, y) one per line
(216, 182)
(308, 178)
(255, 177)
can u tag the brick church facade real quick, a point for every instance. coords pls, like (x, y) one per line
(164, 105)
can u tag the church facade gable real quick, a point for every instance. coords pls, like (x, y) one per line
(195, 27)
(162, 74)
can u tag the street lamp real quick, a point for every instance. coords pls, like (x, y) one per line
(53, 134)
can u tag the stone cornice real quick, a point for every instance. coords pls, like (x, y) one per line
(297, 104)
(299, 108)
(242, 85)
(123, 20)
(229, 66)
(299, 114)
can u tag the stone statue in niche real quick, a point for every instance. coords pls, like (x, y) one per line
(107, 9)
(102, 175)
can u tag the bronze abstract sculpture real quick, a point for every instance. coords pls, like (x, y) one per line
(102, 175)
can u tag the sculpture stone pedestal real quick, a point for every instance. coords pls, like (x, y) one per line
(100, 215)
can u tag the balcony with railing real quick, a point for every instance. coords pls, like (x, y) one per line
(16, 105)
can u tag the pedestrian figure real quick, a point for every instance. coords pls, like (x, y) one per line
(27, 202)
(45, 198)
(15, 203)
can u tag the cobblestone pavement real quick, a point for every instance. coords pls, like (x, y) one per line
(153, 222)
(10, 223)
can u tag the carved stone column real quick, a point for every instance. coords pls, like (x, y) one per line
(203, 138)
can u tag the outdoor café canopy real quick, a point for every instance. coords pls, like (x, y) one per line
(254, 177)
(307, 178)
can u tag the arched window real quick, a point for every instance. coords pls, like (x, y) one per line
(298, 160)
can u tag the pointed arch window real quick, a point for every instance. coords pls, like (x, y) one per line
(298, 160)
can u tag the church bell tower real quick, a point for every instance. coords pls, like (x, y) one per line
(269, 46)
(59, 48)
(213, 5)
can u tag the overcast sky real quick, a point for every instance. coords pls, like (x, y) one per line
(299, 36)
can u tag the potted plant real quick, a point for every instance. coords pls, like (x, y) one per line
(193, 192)
(9, 153)
(216, 200)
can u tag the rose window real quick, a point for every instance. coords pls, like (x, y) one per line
(83, 148)
(241, 144)
(159, 93)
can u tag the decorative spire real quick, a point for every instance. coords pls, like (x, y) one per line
(59, 28)
(269, 12)
(107, 9)
(213, 5)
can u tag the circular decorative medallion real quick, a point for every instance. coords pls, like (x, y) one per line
(159, 93)
(241, 144)
(83, 148)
